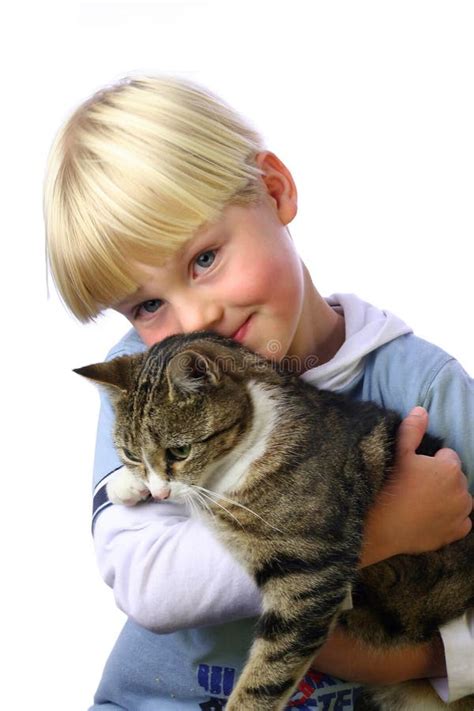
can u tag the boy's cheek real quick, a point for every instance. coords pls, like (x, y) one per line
(151, 334)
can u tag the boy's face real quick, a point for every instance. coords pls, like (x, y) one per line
(241, 277)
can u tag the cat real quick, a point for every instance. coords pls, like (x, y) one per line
(285, 474)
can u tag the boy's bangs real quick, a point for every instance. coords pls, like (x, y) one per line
(99, 229)
(95, 267)
(96, 285)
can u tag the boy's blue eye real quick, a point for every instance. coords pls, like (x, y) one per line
(151, 306)
(206, 259)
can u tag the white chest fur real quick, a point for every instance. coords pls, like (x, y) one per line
(226, 475)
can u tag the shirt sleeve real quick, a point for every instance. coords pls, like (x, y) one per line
(450, 403)
(449, 399)
(458, 641)
(167, 570)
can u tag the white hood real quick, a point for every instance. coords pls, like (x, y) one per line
(367, 328)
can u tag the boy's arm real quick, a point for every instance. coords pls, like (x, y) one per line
(425, 505)
(167, 570)
(350, 659)
(397, 510)
(450, 401)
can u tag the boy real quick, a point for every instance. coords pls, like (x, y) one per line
(162, 203)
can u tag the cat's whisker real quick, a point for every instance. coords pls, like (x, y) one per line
(190, 501)
(203, 502)
(207, 501)
(216, 496)
(205, 493)
(199, 501)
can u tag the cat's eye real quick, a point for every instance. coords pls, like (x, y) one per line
(179, 453)
(132, 457)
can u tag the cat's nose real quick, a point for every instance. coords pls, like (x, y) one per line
(162, 493)
(159, 488)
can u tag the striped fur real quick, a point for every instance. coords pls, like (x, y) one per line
(287, 474)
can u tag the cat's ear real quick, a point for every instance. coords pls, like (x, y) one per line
(190, 371)
(116, 375)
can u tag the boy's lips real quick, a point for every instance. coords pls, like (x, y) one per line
(239, 335)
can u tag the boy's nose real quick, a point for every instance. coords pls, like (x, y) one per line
(200, 315)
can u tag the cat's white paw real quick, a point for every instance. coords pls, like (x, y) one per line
(125, 488)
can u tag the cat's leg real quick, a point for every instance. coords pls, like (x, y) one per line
(125, 488)
(266, 684)
(287, 638)
(302, 599)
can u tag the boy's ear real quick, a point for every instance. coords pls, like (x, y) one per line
(279, 184)
(117, 375)
(188, 371)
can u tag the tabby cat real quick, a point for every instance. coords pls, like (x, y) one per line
(285, 474)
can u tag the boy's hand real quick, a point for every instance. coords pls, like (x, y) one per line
(424, 506)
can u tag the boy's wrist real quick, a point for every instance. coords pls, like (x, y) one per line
(353, 660)
(375, 546)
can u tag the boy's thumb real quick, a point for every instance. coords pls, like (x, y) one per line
(411, 431)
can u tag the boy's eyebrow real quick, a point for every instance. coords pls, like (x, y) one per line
(205, 233)
(127, 301)
(137, 295)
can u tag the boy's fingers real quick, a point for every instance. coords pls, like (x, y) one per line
(448, 455)
(411, 430)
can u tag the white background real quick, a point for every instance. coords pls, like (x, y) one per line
(370, 104)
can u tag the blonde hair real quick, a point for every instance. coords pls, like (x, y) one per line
(135, 171)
